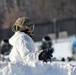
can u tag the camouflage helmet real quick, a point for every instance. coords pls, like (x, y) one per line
(22, 23)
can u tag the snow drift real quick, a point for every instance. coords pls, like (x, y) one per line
(38, 68)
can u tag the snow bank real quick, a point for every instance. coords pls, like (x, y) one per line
(38, 68)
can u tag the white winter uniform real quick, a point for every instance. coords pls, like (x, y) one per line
(23, 48)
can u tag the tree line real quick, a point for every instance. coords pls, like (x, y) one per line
(40, 11)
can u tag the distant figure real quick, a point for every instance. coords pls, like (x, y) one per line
(47, 48)
(46, 43)
(74, 45)
(5, 47)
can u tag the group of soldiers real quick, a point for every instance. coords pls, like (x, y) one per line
(46, 47)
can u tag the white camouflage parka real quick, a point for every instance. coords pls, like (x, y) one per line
(23, 49)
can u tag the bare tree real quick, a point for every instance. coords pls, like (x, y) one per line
(8, 21)
(5, 6)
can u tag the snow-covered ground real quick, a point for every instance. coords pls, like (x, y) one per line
(62, 49)
(39, 68)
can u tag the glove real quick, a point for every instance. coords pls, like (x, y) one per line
(51, 50)
(44, 55)
(49, 54)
